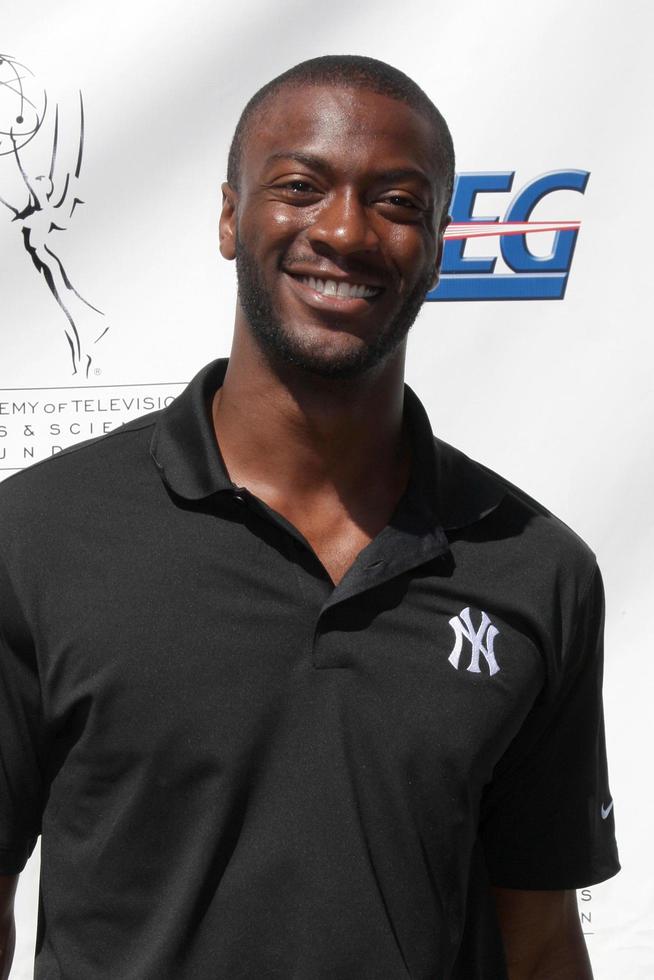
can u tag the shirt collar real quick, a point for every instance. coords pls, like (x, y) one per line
(446, 488)
(184, 446)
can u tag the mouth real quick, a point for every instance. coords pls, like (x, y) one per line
(336, 297)
(340, 289)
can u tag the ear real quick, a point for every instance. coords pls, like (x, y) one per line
(227, 224)
(444, 222)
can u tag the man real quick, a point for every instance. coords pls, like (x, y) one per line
(290, 688)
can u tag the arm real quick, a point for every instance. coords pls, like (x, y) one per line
(7, 927)
(542, 935)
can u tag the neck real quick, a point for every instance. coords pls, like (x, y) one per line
(283, 431)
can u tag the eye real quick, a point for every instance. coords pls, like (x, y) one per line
(296, 191)
(403, 207)
(297, 187)
(401, 201)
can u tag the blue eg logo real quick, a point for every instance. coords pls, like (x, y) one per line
(464, 277)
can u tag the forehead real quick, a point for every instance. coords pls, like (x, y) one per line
(352, 129)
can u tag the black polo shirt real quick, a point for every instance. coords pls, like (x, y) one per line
(241, 771)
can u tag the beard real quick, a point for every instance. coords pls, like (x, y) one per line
(281, 344)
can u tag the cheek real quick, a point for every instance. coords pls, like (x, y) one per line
(269, 227)
(413, 251)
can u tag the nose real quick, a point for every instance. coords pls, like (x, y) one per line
(343, 224)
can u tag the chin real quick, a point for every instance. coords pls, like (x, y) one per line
(349, 360)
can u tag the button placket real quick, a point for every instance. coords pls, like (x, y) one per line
(405, 550)
(411, 540)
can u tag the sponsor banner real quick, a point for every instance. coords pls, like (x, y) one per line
(36, 423)
(519, 269)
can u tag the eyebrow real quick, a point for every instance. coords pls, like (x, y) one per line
(320, 165)
(305, 158)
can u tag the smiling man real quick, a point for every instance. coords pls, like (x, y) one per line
(290, 688)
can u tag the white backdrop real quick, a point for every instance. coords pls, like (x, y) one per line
(555, 395)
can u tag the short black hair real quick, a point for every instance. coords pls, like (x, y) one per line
(349, 71)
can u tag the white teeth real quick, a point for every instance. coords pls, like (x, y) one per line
(344, 290)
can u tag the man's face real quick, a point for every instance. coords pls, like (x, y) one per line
(337, 226)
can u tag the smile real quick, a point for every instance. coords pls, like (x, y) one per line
(342, 290)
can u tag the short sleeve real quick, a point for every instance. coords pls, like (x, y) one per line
(21, 738)
(547, 819)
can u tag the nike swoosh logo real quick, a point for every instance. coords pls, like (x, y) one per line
(606, 810)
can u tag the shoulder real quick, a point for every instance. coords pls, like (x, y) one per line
(522, 527)
(524, 564)
(78, 475)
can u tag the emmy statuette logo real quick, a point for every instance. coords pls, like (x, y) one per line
(41, 164)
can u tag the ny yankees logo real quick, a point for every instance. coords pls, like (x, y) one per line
(463, 628)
